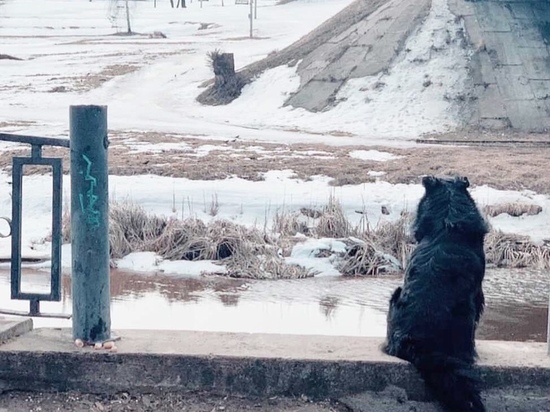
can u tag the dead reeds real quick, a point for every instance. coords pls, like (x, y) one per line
(515, 209)
(292, 223)
(247, 252)
(384, 248)
(251, 252)
(328, 221)
(131, 228)
(333, 221)
(362, 258)
(516, 251)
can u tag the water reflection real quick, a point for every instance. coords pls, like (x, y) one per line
(328, 305)
(229, 299)
(516, 304)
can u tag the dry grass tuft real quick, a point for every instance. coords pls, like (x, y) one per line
(350, 178)
(131, 228)
(329, 221)
(377, 250)
(254, 253)
(291, 223)
(249, 262)
(515, 251)
(183, 240)
(248, 252)
(363, 259)
(333, 221)
(387, 248)
(288, 224)
(513, 209)
(214, 206)
(395, 238)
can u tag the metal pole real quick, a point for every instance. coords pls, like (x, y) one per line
(255, 9)
(250, 16)
(90, 224)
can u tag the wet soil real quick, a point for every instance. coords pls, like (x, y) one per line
(189, 402)
(510, 167)
(517, 399)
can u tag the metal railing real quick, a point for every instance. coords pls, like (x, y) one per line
(88, 145)
(18, 164)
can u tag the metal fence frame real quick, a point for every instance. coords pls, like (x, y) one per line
(88, 145)
(18, 164)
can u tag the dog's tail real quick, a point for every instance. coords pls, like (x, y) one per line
(453, 381)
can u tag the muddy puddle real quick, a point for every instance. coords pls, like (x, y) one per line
(517, 304)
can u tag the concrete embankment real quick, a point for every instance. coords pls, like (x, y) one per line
(245, 364)
(499, 46)
(510, 64)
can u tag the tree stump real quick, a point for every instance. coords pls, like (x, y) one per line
(224, 68)
(227, 84)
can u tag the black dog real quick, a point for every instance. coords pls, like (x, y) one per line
(432, 319)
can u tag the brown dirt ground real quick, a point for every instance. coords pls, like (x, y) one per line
(513, 167)
(189, 402)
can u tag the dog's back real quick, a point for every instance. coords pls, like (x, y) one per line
(432, 318)
(436, 307)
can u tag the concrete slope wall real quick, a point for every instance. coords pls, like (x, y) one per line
(509, 84)
(504, 51)
(511, 62)
(364, 49)
(352, 14)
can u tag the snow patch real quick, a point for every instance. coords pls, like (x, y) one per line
(151, 262)
(373, 155)
(306, 255)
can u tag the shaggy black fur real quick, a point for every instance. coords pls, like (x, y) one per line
(432, 319)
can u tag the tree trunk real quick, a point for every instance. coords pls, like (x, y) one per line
(128, 17)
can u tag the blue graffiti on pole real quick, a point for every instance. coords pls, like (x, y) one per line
(93, 215)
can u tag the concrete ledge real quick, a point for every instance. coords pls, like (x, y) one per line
(246, 364)
(13, 327)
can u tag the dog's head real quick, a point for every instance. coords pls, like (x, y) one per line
(447, 204)
(446, 182)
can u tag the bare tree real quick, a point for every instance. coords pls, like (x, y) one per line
(115, 7)
(180, 3)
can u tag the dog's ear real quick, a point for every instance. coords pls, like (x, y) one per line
(429, 182)
(463, 182)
